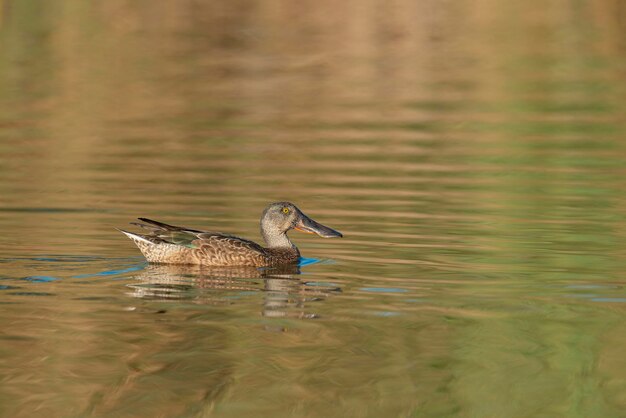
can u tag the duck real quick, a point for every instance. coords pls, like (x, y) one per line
(169, 244)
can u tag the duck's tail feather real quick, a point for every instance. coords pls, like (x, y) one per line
(136, 237)
(156, 225)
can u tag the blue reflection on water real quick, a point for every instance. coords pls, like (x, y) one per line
(57, 263)
(322, 284)
(615, 300)
(383, 289)
(111, 272)
(41, 279)
(591, 286)
(32, 294)
(386, 314)
(307, 261)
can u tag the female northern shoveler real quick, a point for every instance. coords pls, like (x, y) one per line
(177, 245)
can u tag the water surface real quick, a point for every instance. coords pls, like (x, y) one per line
(472, 153)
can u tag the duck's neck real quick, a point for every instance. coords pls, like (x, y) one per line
(276, 239)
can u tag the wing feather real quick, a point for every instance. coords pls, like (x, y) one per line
(222, 249)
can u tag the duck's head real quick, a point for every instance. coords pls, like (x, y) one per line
(280, 217)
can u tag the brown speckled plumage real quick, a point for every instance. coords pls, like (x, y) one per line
(178, 245)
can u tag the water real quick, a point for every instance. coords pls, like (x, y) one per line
(472, 153)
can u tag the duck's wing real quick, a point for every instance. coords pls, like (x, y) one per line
(213, 248)
(221, 249)
(171, 234)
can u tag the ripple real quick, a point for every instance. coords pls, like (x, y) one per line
(32, 294)
(112, 272)
(40, 279)
(383, 289)
(609, 300)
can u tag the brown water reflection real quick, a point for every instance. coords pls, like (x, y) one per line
(471, 152)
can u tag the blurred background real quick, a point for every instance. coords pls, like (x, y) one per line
(472, 153)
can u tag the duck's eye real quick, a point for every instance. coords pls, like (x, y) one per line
(285, 210)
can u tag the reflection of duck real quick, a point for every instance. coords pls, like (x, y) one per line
(170, 281)
(209, 285)
(178, 245)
